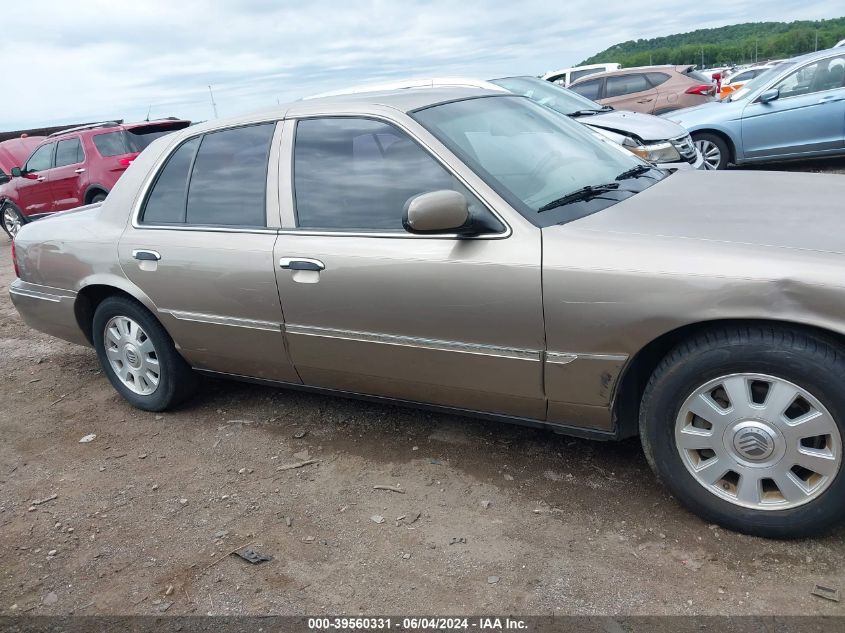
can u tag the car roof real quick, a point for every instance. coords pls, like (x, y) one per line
(404, 100)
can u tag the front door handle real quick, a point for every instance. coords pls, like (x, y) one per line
(301, 263)
(81, 170)
(41, 178)
(831, 98)
(146, 256)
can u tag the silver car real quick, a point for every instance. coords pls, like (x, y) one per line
(475, 252)
(793, 110)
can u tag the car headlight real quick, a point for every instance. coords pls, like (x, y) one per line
(663, 152)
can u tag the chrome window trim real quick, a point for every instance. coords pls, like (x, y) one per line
(411, 341)
(215, 319)
(289, 205)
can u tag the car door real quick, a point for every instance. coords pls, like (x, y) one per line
(34, 196)
(200, 246)
(68, 176)
(807, 117)
(373, 309)
(631, 91)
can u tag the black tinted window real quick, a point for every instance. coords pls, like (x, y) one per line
(655, 79)
(229, 181)
(166, 201)
(69, 152)
(589, 89)
(41, 159)
(358, 174)
(625, 85)
(137, 138)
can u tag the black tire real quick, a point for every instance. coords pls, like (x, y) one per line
(718, 142)
(811, 362)
(177, 382)
(98, 197)
(8, 207)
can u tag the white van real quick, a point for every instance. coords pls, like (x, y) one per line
(566, 76)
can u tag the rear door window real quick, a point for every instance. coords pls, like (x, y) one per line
(229, 179)
(41, 159)
(69, 152)
(625, 85)
(590, 89)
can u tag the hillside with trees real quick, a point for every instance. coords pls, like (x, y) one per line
(735, 44)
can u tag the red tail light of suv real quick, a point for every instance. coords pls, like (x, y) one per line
(75, 167)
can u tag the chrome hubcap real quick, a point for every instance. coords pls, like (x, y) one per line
(710, 152)
(132, 355)
(758, 441)
(11, 221)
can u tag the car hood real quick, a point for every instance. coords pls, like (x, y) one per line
(751, 208)
(646, 127)
(710, 112)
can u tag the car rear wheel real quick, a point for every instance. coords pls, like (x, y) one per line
(713, 149)
(13, 219)
(138, 356)
(98, 197)
(745, 428)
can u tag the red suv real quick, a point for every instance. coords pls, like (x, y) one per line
(75, 167)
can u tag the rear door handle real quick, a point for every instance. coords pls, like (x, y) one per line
(644, 100)
(146, 256)
(301, 263)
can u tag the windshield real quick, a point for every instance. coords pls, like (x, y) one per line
(534, 158)
(548, 94)
(759, 81)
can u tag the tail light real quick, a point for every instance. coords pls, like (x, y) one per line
(15, 260)
(701, 89)
(127, 160)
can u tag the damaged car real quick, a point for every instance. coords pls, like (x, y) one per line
(474, 252)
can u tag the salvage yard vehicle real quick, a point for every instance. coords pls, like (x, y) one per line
(565, 76)
(794, 110)
(475, 252)
(14, 151)
(74, 167)
(649, 89)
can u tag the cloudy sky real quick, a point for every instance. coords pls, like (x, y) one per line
(78, 60)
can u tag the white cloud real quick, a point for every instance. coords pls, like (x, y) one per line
(91, 59)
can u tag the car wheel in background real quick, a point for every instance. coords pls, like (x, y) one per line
(745, 427)
(138, 356)
(12, 219)
(713, 149)
(98, 197)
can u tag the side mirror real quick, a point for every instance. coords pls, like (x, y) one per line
(16, 172)
(769, 95)
(443, 211)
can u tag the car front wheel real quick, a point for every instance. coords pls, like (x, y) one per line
(138, 356)
(713, 149)
(745, 428)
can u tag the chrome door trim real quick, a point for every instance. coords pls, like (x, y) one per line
(215, 319)
(410, 341)
(564, 358)
(34, 294)
(288, 199)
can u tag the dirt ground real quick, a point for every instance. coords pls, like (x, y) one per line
(494, 518)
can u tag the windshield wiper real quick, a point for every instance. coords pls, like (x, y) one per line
(586, 112)
(584, 193)
(639, 170)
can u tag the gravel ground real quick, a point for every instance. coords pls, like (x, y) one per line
(487, 518)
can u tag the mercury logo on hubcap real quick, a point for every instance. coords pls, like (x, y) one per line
(754, 443)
